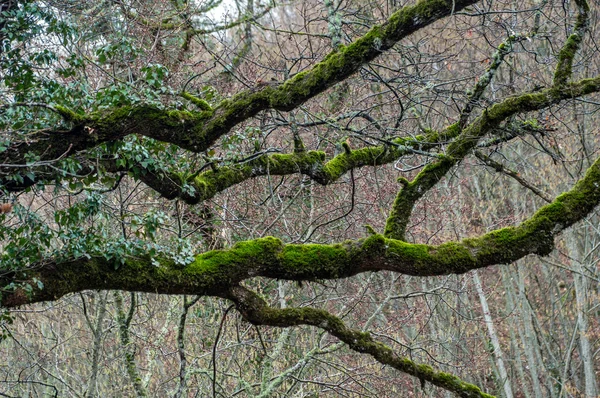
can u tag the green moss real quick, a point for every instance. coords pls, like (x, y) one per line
(227, 264)
(373, 244)
(507, 244)
(151, 121)
(403, 181)
(519, 103)
(346, 147)
(338, 64)
(407, 253)
(398, 219)
(337, 166)
(423, 10)
(69, 115)
(314, 261)
(342, 163)
(370, 230)
(207, 184)
(564, 67)
(453, 130)
(200, 103)
(453, 256)
(295, 79)
(417, 259)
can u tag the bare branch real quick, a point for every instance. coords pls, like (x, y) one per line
(513, 174)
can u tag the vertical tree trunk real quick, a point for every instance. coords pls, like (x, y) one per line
(518, 326)
(529, 337)
(576, 247)
(498, 355)
(97, 345)
(124, 321)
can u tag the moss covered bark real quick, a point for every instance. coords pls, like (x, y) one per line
(490, 119)
(315, 165)
(311, 163)
(220, 272)
(468, 138)
(255, 310)
(198, 130)
(213, 271)
(564, 67)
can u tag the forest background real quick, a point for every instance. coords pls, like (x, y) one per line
(299, 198)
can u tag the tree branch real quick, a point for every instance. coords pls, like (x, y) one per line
(197, 131)
(213, 271)
(467, 140)
(564, 69)
(256, 311)
(500, 168)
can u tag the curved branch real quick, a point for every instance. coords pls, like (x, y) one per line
(313, 163)
(197, 131)
(255, 310)
(212, 272)
(500, 168)
(468, 139)
(564, 69)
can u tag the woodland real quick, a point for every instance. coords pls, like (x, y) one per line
(299, 198)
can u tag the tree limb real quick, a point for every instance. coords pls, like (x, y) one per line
(197, 131)
(255, 310)
(213, 271)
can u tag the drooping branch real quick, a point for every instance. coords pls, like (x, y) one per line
(255, 310)
(212, 271)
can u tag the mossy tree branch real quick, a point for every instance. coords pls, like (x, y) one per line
(213, 271)
(462, 145)
(197, 131)
(207, 184)
(180, 16)
(564, 69)
(314, 164)
(412, 191)
(255, 310)
(220, 272)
